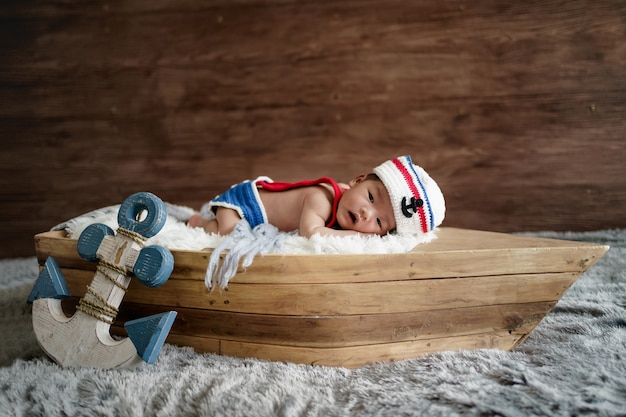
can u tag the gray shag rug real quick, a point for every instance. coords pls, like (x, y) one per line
(573, 364)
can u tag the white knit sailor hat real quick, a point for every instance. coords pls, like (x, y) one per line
(418, 204)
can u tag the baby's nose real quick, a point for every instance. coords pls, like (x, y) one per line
(366, 213)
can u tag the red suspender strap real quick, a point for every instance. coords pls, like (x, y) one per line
(284, 186)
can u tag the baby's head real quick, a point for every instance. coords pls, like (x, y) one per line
(397, 197)
(417, 202)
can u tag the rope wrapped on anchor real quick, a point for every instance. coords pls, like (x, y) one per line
(95, 304)
(99, 308)
(132, 235)
(243, 242)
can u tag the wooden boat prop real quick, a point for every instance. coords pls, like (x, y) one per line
(467, 289)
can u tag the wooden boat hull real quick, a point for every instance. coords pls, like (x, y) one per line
(465, 290)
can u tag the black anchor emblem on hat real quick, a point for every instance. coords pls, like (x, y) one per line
(414, 205)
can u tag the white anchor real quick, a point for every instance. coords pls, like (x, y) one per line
(84, 338)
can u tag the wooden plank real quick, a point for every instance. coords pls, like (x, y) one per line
(417, 265)
(348, 330)
(455, 253)
(347, 356)
(346, 298)
(357, 356)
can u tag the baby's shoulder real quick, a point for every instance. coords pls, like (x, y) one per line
(323, 190)
(329, 189)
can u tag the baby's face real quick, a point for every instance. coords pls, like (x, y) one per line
(366, 208)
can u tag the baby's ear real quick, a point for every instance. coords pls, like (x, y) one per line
(357, 180)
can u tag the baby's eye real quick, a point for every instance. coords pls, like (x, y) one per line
(371, 197)
(380, 224)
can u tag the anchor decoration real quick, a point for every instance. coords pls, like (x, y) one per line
(84, 338)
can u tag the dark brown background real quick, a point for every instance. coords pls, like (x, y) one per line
(517, 108)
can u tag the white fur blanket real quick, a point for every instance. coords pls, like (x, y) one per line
(245, 243)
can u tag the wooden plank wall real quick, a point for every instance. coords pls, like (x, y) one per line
(516, 107)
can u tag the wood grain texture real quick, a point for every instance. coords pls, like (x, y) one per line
(455, 253)
(465, 290)
(346, 356)
(352, 298)
(358, 356)
(337, 331)
(516, 108)
(348, 330)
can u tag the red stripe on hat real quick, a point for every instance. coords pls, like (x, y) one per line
(409, 180)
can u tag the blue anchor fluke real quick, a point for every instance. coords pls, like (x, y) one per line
(50, 283)
(148, 334)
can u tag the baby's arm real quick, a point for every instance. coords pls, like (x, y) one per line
(315, 210)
